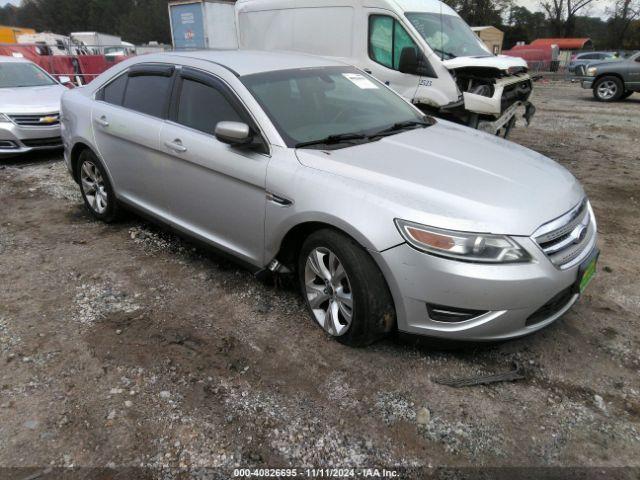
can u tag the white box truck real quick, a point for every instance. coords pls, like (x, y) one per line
(200, 24)
(98, 43)
(421, 48)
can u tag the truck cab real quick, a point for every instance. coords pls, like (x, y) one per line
(420, 48)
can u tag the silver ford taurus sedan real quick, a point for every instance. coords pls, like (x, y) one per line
(29, 107)
(297, 164)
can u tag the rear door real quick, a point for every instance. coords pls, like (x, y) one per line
(127, 119)
(214, 190)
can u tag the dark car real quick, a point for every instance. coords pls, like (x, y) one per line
(611, 81)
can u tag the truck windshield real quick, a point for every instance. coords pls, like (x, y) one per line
(447, 35)
(13, 75)
(312, 104)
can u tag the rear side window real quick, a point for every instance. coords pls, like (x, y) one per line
(148, 94)
(114, 92)
(202, 106)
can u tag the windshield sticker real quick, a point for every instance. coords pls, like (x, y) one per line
(360, 81)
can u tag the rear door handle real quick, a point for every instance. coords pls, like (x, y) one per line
(366, 70)
(102, 121)
(176, 146)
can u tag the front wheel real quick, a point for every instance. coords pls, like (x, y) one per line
(344, 290)
(608, 89)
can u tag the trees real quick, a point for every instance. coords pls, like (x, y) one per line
(623, 14)
(481, 12)
(562, 15)
(136, 21)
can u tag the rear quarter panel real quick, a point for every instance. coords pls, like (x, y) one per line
(76, 125)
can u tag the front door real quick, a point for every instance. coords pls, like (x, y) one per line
(214, 190)
(386, 39)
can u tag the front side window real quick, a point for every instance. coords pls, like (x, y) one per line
(387, 39)
(18, 74)
(202, 107)
(311, 104)
(447, 35)
(148, 94)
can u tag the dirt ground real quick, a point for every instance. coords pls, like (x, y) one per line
(126, 346)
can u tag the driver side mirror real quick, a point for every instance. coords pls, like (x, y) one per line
(233, 133)
(237, 134)
(66, 81)
(409, 61)
(413, 62)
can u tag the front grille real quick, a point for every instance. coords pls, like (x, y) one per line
(517, 92)
(565, 240)
(551, 308)
(37, 119)
(43, 142)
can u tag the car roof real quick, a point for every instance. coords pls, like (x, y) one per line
(8, 59)
(249, 62)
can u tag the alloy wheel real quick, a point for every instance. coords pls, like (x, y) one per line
(329, 291)
(607, 89)
(94, 188)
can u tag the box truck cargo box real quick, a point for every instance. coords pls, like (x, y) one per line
(203, 24)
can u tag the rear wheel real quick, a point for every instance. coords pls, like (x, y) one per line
(96, 188)
(608, 89)
(344, 290)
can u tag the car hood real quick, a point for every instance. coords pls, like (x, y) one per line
(501, 62)
(26, 100)
(454, 177)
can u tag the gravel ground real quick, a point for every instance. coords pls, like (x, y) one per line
(125, 346)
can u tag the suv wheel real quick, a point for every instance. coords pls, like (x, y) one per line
(344, 290)
(96, 188)
(608, 89)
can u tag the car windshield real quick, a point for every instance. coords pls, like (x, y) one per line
(447, 35)
(311, 104)
(14, 74)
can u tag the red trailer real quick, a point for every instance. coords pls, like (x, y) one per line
(82, 69)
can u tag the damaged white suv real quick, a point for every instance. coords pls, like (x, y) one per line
(420, 48)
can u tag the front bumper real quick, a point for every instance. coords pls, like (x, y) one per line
(16, 140)
(516, 297)
(587, 82)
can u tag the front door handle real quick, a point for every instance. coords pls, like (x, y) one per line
(176, 146)
(367, 70)
(102, 121)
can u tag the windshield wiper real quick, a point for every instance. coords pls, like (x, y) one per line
(333, 139)
(442, 52)
(400, 126)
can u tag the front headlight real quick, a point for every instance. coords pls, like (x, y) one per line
(463, 246)
(592, 71)
(4, 118)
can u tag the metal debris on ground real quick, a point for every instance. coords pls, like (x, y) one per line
(511, 376)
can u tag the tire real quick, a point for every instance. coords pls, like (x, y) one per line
(97, 191)
(608, 89)
(370, 314)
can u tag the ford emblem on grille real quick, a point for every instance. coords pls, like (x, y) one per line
(579, 233)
